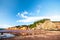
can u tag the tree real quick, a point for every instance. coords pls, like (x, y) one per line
(32, 25)
(24, 25)
(17, 26)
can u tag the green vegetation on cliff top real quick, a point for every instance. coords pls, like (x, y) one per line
(37, 22)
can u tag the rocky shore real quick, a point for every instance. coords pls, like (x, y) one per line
(49, 35)
(37, 37)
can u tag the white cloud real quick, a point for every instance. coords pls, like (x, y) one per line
(23, 14)
(28, 19)
(35, 18)
(32, 19)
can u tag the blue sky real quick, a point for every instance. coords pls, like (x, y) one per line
(24, 12)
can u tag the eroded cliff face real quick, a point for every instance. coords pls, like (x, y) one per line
(38, 26)
(47, 25)
(57, 23)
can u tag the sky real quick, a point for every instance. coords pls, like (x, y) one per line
(25, 12)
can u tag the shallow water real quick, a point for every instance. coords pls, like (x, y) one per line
(6, 35)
